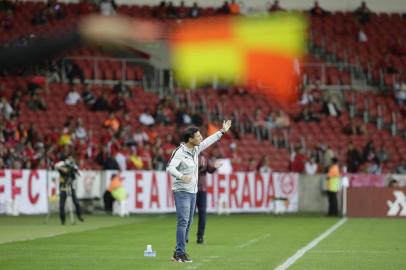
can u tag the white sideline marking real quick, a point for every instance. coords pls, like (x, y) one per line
(68, 232)
(211, 258)
(57, 234)
(358, 251)
(204, 261)
(34, 238)
(309, 246)
(252, 241)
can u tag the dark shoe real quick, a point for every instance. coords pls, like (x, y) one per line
(80, 218)
(186, 258)
(174, 256)
(200, 240)
(187, 241)
(181, 258)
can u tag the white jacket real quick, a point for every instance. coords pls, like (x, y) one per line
(185, 161)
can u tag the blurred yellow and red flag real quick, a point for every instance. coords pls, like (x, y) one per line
(263, 50)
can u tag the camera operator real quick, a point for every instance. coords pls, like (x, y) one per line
(68, 171)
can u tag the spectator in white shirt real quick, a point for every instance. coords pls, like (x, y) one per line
(121, 160)
(80, 131)
(73, 97)
(146, 118)
(5, 108)
(140, 137)
(265, 168)
(311, 166)
(362, 37)
(306, 98)
(400, 93)
(107, 8)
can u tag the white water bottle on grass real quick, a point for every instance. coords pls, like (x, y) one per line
(149, 252)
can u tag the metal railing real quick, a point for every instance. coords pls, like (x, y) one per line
(357, 78)
(98, 65)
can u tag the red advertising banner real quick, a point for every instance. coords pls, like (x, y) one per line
(151, 192)
(376, 202)
(367, 180)
(23, 190)
(28, 191)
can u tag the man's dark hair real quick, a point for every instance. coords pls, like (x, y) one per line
(188, 133)
(392, 183)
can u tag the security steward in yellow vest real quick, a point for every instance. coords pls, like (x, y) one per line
(333, 186)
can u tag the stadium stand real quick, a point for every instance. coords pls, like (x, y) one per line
(42, 127)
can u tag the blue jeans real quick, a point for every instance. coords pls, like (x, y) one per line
(185, 203)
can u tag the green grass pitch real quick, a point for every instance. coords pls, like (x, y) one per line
(255, 241)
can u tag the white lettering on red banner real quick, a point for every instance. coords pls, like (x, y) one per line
(150, 191)
(397, 206)
(27, 189)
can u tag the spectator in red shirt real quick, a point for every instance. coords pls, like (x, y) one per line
(145, 154)
(80, 148)
(298, 162)
(152, 134)
(10, 128)
(29, 152)
(113, 146)
(168, 146)
(52, 136)
(252, 165)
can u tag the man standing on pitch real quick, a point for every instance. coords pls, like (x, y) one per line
(205, 166)
(184, 167)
